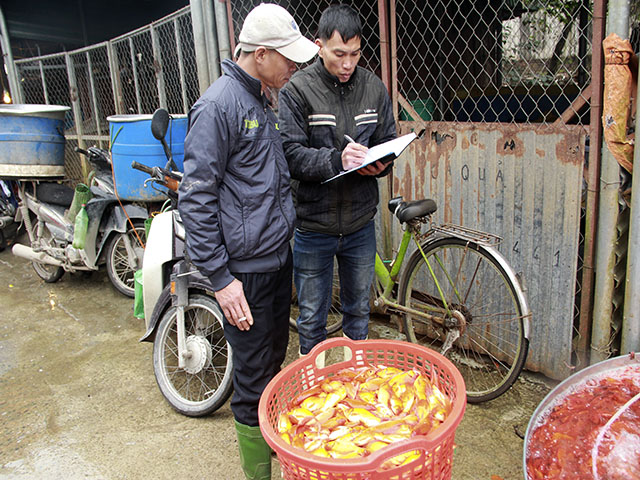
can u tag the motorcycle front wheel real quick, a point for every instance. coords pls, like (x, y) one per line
(204, 383)
(124, 257)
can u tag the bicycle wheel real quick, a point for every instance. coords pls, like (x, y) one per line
(205, 382)
(484, 333)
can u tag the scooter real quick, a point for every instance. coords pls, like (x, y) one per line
(191, 357)
(114, 234)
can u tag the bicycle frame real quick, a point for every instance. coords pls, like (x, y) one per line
(388, 279)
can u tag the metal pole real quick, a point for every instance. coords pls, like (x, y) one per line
(134, 72)
(631, 319)
(222, 27)
(211, 37)
(94, 97)
(183, 83)
(7, 56)
(232, 35)
(116, 86)
(593, 185)
(385, 63)
(394, 58)
(77, 113)
(44, 83)
(157, 57)
(385, 53)
(200, 44)
(617, 22)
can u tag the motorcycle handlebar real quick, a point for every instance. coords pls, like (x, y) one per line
(94, 153)
(165, 177)
(82, 151)
(142, 167)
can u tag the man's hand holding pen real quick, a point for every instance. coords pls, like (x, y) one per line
(354, 155)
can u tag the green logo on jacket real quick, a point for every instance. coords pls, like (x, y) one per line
(249, 124)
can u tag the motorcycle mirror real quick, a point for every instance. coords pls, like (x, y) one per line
(159, 127)
(160, 123)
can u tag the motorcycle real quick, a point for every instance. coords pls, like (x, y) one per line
(114, 235)
(191, 358)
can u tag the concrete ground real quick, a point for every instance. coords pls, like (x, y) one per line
(78, 398)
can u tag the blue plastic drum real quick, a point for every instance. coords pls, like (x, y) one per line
(131, 140)
(32, 141)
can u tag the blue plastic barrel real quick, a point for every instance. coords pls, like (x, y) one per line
(32, 140)
(132, 140)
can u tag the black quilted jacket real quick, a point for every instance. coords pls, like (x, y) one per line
(315, 112)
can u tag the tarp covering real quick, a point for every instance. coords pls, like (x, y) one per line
(620, 80)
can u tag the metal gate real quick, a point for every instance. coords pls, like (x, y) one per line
(523, 183)
(496, 85)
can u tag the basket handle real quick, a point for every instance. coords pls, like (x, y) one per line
(333, 343)
(372, 464)
(377, 459)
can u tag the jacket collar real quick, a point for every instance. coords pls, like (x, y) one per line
(251, 84)
(331, 80)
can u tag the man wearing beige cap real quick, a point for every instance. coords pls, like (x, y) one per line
(235, 201)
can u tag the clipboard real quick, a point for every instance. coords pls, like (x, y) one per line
(385, 152)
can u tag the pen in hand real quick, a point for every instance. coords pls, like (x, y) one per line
(368, 167)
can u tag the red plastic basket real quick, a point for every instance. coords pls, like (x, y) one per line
(436, 448)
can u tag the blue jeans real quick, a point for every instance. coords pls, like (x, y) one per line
(313, 255)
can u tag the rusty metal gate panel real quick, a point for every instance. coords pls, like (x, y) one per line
(524, 183)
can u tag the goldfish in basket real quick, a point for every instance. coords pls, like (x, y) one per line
(361, 410)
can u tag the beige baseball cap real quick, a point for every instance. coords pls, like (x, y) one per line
(271, 26)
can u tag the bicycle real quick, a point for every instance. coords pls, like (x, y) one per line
(458, 295)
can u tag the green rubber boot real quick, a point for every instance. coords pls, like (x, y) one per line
(255, 453)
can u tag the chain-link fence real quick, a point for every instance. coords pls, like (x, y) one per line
(136, 73)
(522, 62)
(497, 61)
(502, 61)
(307, 15)
(514, 61)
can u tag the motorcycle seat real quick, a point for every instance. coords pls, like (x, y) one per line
(53, 193)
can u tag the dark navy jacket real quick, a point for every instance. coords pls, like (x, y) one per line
(235, 197)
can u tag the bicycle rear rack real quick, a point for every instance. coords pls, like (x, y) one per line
(465, 233)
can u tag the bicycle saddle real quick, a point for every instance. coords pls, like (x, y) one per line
(406, 211)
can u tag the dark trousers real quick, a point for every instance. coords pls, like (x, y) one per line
(259, 352)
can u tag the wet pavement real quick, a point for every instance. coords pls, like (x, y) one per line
(78, 398)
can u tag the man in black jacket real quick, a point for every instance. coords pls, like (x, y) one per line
(235, 201)
(321, 110)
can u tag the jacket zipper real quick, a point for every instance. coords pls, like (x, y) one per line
(341, 189)
(279, 180)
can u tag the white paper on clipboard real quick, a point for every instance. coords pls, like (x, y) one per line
(386, 152)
